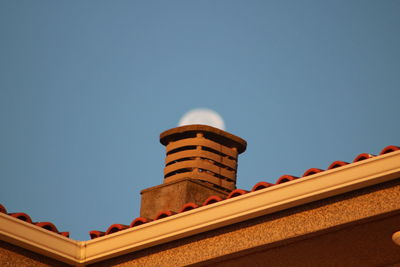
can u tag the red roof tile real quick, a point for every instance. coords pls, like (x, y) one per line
(139, 221)
(211, 200)
(116, 228)
(363, 156)
(22, 216)
(312, 171)
(47, 225)
(2, 209)
(95, 234)
(237, 192)
(286, 178)
(389, 149)
(188, 206)
(164, 214)
(261, 185)
(337, 164)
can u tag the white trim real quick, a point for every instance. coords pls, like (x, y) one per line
(318, 186)
(40, 240)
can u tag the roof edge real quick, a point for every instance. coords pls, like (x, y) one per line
(315, 187)
(39, 240)
(272, 199)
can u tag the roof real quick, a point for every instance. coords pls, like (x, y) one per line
(114, 228)
(240, 206)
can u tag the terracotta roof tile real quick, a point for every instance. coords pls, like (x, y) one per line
(139, 221)
(237, 192)
(188, 206)
(47, 225)
(3, 209)
(211, 200)
(261, 185)
(22, 216)
(389, 149)
(116, 228)
(337, 164)
(95, 234)
(164, 214)
(312, 171)
(363, 156)
(286, 178)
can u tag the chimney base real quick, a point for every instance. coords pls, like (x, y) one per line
(172, 196)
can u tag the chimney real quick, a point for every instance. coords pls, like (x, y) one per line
(201, 161)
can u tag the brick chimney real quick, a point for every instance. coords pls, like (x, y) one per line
(201, 161)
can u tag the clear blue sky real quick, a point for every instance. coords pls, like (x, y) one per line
(87, 86)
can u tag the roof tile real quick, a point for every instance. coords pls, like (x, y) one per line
(47, 225)
(3, 209)
(95, 234)
(164, 214)
(389, 149)
(22, 216)
(116, 228)
(337, 164)
(139, 221)
(188, 206)
(363, 156)
(211, 200)
(312, 171)
(237, 192)
(286, 178)
(261, 185)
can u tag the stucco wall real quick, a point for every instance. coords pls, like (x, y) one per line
(366, 243)
(350, 210)
(13, 256)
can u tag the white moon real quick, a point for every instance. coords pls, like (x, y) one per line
(202, 116)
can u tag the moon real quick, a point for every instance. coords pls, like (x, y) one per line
(202, 116)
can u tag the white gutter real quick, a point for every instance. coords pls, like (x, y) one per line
(315, 187)
(45, 242)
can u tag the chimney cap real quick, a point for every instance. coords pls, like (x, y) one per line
(224, 137)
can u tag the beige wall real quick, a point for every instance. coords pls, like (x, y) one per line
(11, 256)
(343, 227)
(364, 244)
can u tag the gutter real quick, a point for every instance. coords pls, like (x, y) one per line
(42, 241)
(279, 197)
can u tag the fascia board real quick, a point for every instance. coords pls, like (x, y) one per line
(279, 197)
(322, 185)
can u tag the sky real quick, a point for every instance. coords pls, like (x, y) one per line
(86, 87)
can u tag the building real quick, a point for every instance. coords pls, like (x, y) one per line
(347, 215)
